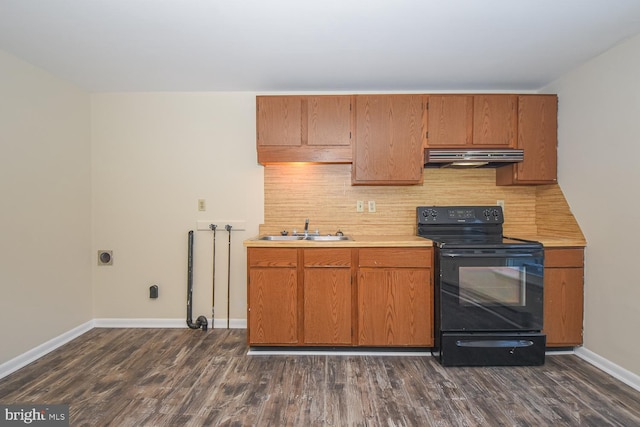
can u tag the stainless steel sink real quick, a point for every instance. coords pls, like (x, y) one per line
(284, 238)
(315, 238)
(328, 238)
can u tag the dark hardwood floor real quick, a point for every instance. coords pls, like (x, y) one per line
(182, 377)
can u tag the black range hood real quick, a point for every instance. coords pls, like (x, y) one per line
(471, 158)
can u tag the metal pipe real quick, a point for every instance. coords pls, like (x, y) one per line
(213, 279)
(228, 228)
(201, 321)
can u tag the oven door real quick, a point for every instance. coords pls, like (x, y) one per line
(490, 289)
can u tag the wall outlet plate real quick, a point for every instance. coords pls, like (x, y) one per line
(105, 257)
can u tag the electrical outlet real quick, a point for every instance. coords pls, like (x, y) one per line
(360, 206)
(500, 203)
(372, 206)
(202, 205)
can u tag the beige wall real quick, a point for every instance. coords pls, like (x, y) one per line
(45, 188)
(599, 128)
(153, 156)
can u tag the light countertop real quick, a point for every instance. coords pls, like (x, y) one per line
(394, 241)
(554, 241)
(357, 241)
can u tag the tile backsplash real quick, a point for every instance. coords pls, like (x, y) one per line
(324, 194)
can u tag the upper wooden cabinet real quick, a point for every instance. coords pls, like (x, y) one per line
(329, 120)
(388, 147)
(384, 136)
(304, 128)
(279, 120)
(450, 120)
(460, 121)
(495, 120)
(538, 137)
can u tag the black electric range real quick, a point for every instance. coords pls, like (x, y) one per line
(488, 288)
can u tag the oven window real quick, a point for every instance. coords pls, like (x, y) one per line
(493, 285)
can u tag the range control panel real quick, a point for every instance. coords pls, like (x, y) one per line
(459, 215)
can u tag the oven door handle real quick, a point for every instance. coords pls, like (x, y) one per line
(494, 343)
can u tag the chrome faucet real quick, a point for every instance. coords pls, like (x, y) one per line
(306, 227)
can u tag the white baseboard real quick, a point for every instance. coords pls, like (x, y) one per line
(139, 323)
(609, 367)
(165, 323)
(37, 352)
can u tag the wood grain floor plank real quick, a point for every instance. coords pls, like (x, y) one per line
(156, 377)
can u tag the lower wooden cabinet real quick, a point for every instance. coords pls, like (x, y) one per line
(273, 295)
(394, 307)
(395, 297)
(563, 296)
(325, 296)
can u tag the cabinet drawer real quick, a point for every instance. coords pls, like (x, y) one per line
(327, 257)
(396, 257)
(267, 257)
(564, 257)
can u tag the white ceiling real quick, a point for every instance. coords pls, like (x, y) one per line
(312, 45)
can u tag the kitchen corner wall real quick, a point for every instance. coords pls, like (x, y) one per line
(153, 156)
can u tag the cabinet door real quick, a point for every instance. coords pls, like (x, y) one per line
(495, 120)
(538, 137)
(272, 306)
(449, 120)
(304, 129)
(327, 296)
(327, 305)
(563, 306)
(395, 307)
(279, 120)
(329, 120)
(388, 146)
